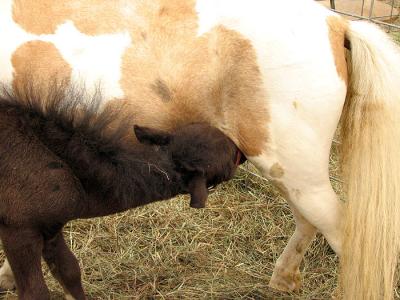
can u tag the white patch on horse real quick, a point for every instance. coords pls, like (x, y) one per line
(297, 64)
(95, 60)
(208, 15)
(69, 297)
(11, 37)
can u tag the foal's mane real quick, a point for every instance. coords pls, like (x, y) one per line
(76, 128)
(69, 107)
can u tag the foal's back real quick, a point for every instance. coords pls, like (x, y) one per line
(32, 178)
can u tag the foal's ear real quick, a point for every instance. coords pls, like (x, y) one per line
(150, 136)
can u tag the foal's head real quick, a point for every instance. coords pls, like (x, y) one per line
(202, 154)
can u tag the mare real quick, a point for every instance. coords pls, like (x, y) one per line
(276, 76)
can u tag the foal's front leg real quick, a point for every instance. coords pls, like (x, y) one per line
(23, 248)
(64, 266)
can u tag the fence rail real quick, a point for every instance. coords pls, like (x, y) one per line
(381, 20)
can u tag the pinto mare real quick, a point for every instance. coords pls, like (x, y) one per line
(61, 164)
(277, 86)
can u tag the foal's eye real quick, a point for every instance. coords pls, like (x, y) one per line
(180, 169)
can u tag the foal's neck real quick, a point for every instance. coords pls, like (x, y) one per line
(115, 178)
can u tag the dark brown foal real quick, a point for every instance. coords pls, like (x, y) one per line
(60, 161)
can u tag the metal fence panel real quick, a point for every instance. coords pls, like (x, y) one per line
(390, 20)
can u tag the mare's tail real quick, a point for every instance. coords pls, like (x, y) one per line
(371, 165)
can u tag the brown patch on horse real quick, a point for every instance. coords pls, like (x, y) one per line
(40, 61)
(215, 79)
(103, 16)
(337, 27)
(40, 17)
(91, 17)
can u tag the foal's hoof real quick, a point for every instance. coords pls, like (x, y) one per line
(285, 281)
(68, 297)
(7, 283)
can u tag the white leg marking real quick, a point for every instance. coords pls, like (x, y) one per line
(309, 190)
(314, 205)
(7, 280)
(286, 276)
(321, 207)
(95, 60)
(69, 297)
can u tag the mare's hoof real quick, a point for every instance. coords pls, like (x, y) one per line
(285, 281)
(7, 283)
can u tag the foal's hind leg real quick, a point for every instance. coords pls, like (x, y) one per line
(64, 266)
(23, 248)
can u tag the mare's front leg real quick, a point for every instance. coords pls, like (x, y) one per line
(64, 266)
(23, 248)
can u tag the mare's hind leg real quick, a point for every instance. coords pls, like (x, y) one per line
(305, 183)
(64, 266)
(23, 248)
(7, 281)
(286, 276)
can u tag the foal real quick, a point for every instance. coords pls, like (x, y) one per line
(60, 161)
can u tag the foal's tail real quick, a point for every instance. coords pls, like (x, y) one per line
(371, 165)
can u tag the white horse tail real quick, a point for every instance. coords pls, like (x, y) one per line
(371, 165)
